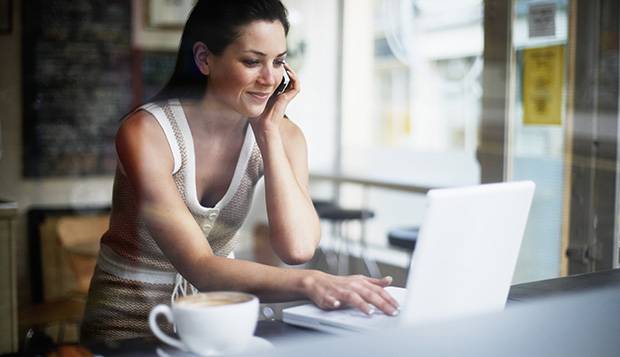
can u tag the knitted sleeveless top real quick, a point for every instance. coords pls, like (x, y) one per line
(130, 252)
(132, 274)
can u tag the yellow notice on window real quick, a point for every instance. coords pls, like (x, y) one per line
(543, 80)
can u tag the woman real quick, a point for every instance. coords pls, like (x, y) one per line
(188, 164)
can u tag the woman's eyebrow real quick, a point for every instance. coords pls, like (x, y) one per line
(259, 53)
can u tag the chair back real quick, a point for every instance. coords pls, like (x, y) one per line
(79, 238)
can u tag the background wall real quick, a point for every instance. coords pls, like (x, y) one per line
(64, 192)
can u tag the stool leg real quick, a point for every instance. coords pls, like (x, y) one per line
(335, 249)
(331, 258)
(348, 244)
(343, 260)
(339, 237)
(371, 265)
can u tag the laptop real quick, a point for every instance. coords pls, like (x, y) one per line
(462, 265)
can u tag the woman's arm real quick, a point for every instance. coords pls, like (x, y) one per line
(147, 161)
(293, 222)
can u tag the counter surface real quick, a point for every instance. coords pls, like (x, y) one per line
(585, 304)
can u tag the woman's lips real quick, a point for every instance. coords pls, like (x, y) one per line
(261, 96)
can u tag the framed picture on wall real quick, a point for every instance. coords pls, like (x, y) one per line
(6, 16)
(168, 14)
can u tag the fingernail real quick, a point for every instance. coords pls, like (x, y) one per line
(395, 312)
(336, 303)
(388, 278)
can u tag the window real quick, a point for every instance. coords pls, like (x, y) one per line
(411, 101)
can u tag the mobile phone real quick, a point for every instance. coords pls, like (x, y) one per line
(282, 87)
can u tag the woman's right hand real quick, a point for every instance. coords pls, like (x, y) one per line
(331, 292)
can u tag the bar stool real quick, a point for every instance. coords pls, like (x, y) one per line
(321, 205)
(340, 218)
(404, 237)
(330, 257)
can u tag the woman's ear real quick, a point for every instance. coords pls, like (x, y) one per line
(201, 54)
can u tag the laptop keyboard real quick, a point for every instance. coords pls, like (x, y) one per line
(361, 320)
(345, 319)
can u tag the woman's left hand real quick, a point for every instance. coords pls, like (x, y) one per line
(269, 121)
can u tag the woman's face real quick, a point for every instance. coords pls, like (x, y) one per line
(244, 76)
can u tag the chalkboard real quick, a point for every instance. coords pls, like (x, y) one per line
(77, 84)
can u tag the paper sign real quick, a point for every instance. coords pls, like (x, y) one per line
(543, 81)
(541, 19)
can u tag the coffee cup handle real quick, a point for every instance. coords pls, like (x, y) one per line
(167, 312)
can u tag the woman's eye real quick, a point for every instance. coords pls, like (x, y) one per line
(280, 62)
(251, 63)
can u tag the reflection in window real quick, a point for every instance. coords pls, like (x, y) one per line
(411, 100)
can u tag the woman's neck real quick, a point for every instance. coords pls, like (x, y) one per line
(208, 115)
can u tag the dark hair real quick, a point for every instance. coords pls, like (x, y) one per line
(216, 23)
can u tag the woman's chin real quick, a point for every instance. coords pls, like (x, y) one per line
(254, 111)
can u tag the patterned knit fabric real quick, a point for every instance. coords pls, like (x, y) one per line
(118, 307)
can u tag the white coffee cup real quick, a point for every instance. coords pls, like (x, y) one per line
(209, 323)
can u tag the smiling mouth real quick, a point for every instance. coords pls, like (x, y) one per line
(259, 95)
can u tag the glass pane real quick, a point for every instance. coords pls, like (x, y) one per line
(411, 101)
(535, 142)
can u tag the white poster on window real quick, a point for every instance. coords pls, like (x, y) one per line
(541, 19)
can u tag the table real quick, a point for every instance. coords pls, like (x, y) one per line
(570, 325)
(527, 292)
(277, 331)
(533, 310)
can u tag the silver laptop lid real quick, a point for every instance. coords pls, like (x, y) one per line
(466, 251)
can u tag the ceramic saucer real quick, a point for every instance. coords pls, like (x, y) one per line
(255, 344)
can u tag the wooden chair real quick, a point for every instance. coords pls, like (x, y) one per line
(78, 241)
(79, 237)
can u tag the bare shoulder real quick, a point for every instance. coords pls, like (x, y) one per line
(141, 138)
(141, 126)
(141, 123)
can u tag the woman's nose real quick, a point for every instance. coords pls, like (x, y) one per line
(269, 76)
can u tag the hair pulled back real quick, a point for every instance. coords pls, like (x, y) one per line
(216, 23)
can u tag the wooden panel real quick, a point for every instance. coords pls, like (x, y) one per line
(497, 35)
(592, 245)
(8, 293)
